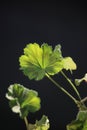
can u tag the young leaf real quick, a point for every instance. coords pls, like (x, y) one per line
(69, 64)
(42, 124)
(37, 61)
(22, 100)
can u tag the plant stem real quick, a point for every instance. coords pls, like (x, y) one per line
(73, 86)
(61, 88)
(26, 123)
(84, 99)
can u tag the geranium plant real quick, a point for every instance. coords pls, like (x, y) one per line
(23, 101)
(36, 63)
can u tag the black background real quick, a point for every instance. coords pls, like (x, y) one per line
(51, 22)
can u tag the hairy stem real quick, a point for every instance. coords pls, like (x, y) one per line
(73, 86)
(26, 123)
(61, 88)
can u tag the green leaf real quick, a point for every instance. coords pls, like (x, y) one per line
(42, 124)
(75, 125)
(69, 64)
(82, 115)
(85, 125)
(80, 123)
(23, 100)
(38, 60)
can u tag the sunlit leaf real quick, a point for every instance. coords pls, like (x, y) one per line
(22, 100)
(38, 60)
(69, 64)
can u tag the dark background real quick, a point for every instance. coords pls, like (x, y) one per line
(51, 22)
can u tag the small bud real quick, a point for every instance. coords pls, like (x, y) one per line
(78, 81)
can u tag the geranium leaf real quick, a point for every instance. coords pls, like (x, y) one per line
(31, 62)
(22, 100)
(82, 115)
(69, 64)
(80, 123)
(85, 125)
(52, 59)
(75, 125)
(42, 124)
(37, 61)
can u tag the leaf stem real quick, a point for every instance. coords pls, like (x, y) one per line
(73, 86)
(61, 88)
(26, 123)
